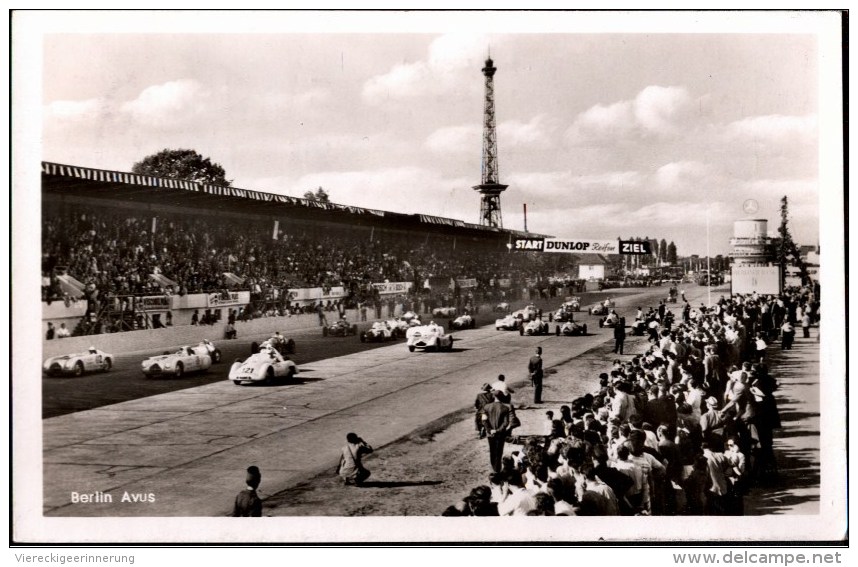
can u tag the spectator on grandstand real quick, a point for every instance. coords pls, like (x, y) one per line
(49, 335)
(63, 332)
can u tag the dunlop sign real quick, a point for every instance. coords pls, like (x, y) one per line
(581, 246)
(636, 247)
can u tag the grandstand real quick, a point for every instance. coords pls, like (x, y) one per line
(137, 248)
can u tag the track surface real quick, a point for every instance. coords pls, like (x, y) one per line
(63, 395)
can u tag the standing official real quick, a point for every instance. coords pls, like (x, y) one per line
(534, 367)
(496, 416)
(619, 336)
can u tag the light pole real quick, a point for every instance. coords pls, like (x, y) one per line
(708, 268)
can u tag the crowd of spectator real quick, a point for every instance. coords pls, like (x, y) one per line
(121, 252)
(683, 428)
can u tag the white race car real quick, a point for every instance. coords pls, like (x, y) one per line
(528, 313)
(463, 322)
(93, 360)
(444, 312)
(429, 337)
(409, 317)
(602, 308)
(511, 322)
(381, 331)
(265, 366)
(208, 347)
(502, 307)
(535, 327)
(571, 329)
(186, 359)
(278, 341)
(572, 303)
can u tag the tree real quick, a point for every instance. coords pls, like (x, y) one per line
(320, 195)
(182, 164)
(662, 250)
(671, 253)
(786, 247)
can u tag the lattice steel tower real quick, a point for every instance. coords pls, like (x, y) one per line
(490, 188)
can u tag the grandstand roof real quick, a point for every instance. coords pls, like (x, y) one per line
(61, 178)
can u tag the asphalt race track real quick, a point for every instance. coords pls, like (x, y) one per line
(66, 394)
(176, 446)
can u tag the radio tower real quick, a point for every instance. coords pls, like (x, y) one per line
(490, 189)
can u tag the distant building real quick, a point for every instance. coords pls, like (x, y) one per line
(592, 267)
(752, 246)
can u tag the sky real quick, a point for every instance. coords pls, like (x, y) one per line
(601, 135)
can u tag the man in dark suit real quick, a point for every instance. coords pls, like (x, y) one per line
(534, 367)
(248, 503)
(619, 336)
(496, 417)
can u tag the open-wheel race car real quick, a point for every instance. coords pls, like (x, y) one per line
(208, 347)
(571, 329)
(639, 327)
(266, 366)
(535, 327)
(462, 322)
(672, 295)
(529, 313)
(511, 322)
(410, 319)
(93, 360)
(379, 332)
(602, 308)
(610, 320)
(445, 312)
(341, 328)
(186, 359)
(429, 337)
(565, 313)
(502, 307)
(278, 342)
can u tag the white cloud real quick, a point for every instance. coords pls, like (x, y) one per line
(682, 175)
(773, 132)
(448, 57)
(658, 109)
(602, 123)
(534, 134)
(655, 110)
(167, 104)
(74, 109)
(455, 139)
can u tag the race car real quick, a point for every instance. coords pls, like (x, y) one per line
(445, 312)
(528, 313)
(571, 329)
(535, 327)
(339, 329)
(562, 315)
(265, 366)
(278, 342)
(511, 322)
(610, 320)
(207, 347)
(502, 307)
(93, 360)
(381, 331)
(429, 337)
(186, 359)
(671, 295)
(410, 318)
(601, 308)
(573, 303)
(462, 322)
